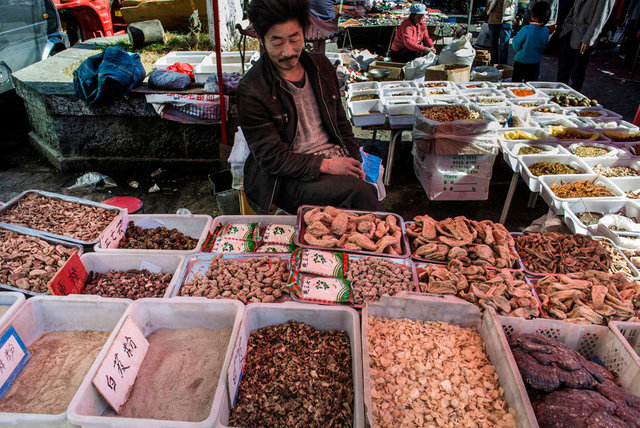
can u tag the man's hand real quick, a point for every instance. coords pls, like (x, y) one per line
(583, 48)
(342, 166)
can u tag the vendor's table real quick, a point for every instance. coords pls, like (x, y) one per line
(396, 135)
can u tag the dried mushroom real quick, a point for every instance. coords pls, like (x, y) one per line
(132, 284)
(159, 238)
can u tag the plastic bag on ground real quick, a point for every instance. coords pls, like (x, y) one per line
(415, 69)
(486, 73)
(93, 180)
(459, 51)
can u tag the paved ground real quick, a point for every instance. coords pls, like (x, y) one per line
(22, 169)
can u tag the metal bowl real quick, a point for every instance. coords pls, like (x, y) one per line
(379, 73)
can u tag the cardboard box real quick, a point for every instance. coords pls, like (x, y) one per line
(396, 69)
(452, 72)
(507, 70)
(483, 58)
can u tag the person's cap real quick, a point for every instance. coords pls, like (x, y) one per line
(418, 9)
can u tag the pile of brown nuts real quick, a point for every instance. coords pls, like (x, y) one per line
(295, 376)
(447, 113)
(159, 238)
(259, 279)
(29, 263)
(71, 219)
(132, 284)
(372, 278)
(426, 373)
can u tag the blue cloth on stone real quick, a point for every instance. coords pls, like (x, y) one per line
(107, 75)
(169, 79)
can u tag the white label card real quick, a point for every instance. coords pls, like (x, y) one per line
(119, 369)
(13, 357)
(237, 364)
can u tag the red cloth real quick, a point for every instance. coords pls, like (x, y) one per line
(182, 67)
(411, 36)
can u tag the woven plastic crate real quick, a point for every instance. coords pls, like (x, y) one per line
(589, 341)
(629, 334)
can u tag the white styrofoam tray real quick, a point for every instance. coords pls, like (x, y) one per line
(550, 85)
(615, 152)
(190, 57)
(589, 340)
(14, 300)
(103, 263)
(40, 315)
(193, 225)
(88, 406)
(418, 306)
(533, 181)
(556, 204)
(261, 315)
(362, 115)
(510, 151)
(571, 209)
(362, 86)
(353, 94)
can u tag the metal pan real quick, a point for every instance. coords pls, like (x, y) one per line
(66, 198)
(30, 232)
(301, 229)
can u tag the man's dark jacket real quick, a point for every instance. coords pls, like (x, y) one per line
(268, 118)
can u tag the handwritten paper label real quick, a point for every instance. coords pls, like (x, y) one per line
(237, 364)
(71, 279)
(114, 233)
(13, 357)
(150, 267)
(119, 369)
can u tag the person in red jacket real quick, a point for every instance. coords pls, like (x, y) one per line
(412, 38)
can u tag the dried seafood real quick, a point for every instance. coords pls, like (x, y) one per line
(618, 261)
(430, 374)
(470, 241)
(557, 253)
(615, 171)
(581, 189)
(551, 168)
(503, 290)
(590, 296)
(333, 228)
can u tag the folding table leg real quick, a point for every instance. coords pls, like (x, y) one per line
(507, 202)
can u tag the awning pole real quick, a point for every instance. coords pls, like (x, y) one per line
(213, 19)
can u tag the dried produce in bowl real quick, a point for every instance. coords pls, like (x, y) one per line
(619, 137)
(448, 113)
(618, 261)
(132, 284)
(581, 189)
(471, 242)
(372, 278)
(429, 374)
(551, 168)
(564, 133)
(530, 150)
(295, 376)
(70, 219)
(589, 296)
(518, 134)
(523, 92)
(589, 151)
(159, 238)
(259, 279)
(616, 171)
(28, 262)
(364, 97)
(330, 227)
(556, 253)
(502, 289)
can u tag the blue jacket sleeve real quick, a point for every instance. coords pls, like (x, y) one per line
(519, 39)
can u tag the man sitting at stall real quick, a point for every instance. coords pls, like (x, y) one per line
(412, 38)
(301, 143)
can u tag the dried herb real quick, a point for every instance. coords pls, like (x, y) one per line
(448, 113)
(551, 168)
(589, 151)
(580, 189)
(364, 97)
(529, 150)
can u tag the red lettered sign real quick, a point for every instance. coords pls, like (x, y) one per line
(71, 279)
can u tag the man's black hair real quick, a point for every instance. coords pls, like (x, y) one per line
(541, 12)
(264, 14)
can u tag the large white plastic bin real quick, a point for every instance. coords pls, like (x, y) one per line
(632, 209)
(40, 315)
(555, 203)
(193, 225)
(533, 180)
(510, 151)
(259, 315)
(190, 57)
(367, 113)
(13, 300)
(104, 263)
(455, 311)
(87, 406)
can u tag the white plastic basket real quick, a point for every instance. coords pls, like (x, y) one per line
(429, 92)
(400, 92)
(588, 340)
(533, 181)
(613, 151)
(632, 209)
(259, 315)
(474, 85)
(556, 203)
(602, 112)
(87, 406)
(194, 226)
(40, 315)
(417, 306)
(445, 99)
(629, 334)
(518, 102)
(103, 263)
(437, 84)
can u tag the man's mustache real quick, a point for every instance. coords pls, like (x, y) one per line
(288, 58)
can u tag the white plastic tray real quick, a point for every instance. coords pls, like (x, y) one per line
(601, 138)
(550, 85)
(367, 119)
(632, 209)
(362, 86)
(516, 85)
(190, 57)
(613, 162)
(202, 71)
(536, 94)
(195, 226)
(353, 94)
(400, 110)
(446, 99)
(542, 137)
(556, 110)
(533, 181)
(615, 152)
(555, 203)
(428, 92)
(450, 309)
(259, 315)
(628, 183)
(445, 83)
(471, 85)
(611, 124)
(400, 92)
(604, 113)
(103, 263)
(510, 151)
(395, 85)
(40, 315)
(528, 100)
(87, 406)
(12, 299)
(589, 340)
(557, 120)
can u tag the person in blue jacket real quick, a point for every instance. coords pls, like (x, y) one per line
(529, 44)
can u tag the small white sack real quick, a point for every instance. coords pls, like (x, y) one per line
(459, 51)
(415, 69)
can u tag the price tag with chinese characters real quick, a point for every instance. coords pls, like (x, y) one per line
(119, 369)
(114, 233)
(13, 357)
(237, 364)
(71, 279)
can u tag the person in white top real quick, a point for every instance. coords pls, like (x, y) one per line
(502, 13)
